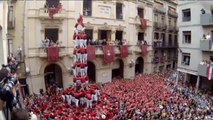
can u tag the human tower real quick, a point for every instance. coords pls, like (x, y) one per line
(82, 93)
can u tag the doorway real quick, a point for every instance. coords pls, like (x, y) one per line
(53, 76)
(139, 65)
(118, 72)
(91, 72)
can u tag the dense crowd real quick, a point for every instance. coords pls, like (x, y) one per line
(147, 97)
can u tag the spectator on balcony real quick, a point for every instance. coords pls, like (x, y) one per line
(86, 11)
(208, 36)
(104, 42)
(46, 7)
(124, 42)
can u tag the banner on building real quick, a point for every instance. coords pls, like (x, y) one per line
(210, 71)
(144, 50)
(109, 53)
(143, 23)
(53, 10)
(53, 54)
(91, 52)
(124, 51)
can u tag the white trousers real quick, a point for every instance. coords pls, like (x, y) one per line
(78, 56)
(81, 43)
(74, 72)
(85, 43)
(78, 43)
(82, 100)
(81, 58)
(82, 71)
(75, 58)
(76, 101)
(84, 57)
(75, 43)
(77, 70)
(89, 103)
(85, 70)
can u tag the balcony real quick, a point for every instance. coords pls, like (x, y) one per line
(42, 52)
(160, 45)
(171, 28)
(160, 10)
(172, 13)
(206, 19)
(44, 14)
(160, 26)
(99, 50)
(203, 70)
(205, 45)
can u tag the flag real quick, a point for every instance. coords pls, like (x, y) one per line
(124, 51)
(143, 23)
(109, 54)
(144, 50)
(53, 54)
(91, 52)
(53, 11)
(210, 70)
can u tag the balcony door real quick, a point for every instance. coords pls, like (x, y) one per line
(104, 35)
(52, 3)
(51, 34)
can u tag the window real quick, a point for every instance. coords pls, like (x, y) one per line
(186, 58)
(141, 12)
(170, 21)
(163, 38)
(186, 15)
(156, 36)
(119, 35)
(89, 33)
(10, 46)
(187, 37)
(211, 58)
(87, 7)
(176, 40)
(140, 36)
(51, 34)
(11, 18)
(156, 18)
(52, 3)
(104, 35)
(170, 39)
(163, 19)
(119, 12)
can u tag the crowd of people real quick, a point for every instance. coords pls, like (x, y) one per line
(153, 96)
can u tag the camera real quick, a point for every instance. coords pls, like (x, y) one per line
(7, 82)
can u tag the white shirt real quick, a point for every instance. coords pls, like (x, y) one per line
(33, 116)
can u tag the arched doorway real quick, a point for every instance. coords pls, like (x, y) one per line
(91, 72)
(118, 72)
(53, 75)
(139, 64)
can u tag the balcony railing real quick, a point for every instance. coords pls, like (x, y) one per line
(172, 13)
(206, 19)
(160, 26)
(160, 10)
(43, 52)
(44, 13)
(160, 45)
(205, 45)
(203, 70)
